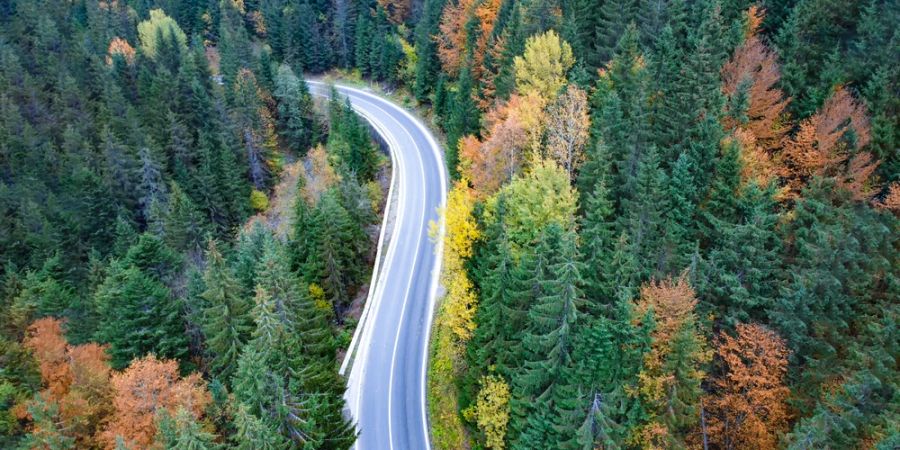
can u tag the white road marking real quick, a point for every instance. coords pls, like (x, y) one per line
(365, 340)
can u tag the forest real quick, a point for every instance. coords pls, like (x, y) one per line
(673, 223)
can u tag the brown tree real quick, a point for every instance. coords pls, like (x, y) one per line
(45, 338)
(748, 408)
(119, 46)
(753, 73)
(490, 163)
(76, 380)
(139, 391)
(397, 10)
(669, 382)
(824, 143)
(891, 200)
(453, 36)
(451, 41)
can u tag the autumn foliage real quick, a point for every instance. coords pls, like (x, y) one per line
(146, 386)
(119, 46)
(452, 40)
(567, 129)
(76, 380)
(826, 145)
(461, 231)
(749, 409)
(753, 73)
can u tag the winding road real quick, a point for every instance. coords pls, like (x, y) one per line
(386, 385)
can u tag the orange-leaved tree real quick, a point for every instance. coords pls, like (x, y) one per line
(451, 41)
(669, 382)
(141, 390)
(828, 144)
(748, 408)
(77, 382)
(757, 106)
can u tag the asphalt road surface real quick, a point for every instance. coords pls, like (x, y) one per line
(386, 384)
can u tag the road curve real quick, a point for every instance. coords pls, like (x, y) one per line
(387, 380)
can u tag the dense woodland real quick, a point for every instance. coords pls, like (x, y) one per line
(673, 222)
(140, 308)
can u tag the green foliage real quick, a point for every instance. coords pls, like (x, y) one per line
(349, 141)
(137, 316)
(226, 319)
(296, 123)
(160, 31)
(258, 201)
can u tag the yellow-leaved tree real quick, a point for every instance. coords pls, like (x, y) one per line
(491, 410)
(455, 323)
(461, 231)
(543, 67)
(160, 26)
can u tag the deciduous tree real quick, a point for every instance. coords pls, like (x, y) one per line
(567, 129)
(140, 391)
(543, 67)
(748, 408)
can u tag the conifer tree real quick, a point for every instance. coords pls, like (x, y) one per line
(463, 117)
(642, 215)
(138, 316)
(678, 223)
(427, 63)
(598, 245)
(336, 251)
(541, 394)
(254, 128)
(296, 123)
(612, 19)
(226, 319)
(253, 433)
(184, 226)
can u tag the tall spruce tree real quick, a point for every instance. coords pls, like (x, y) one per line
(227, 322)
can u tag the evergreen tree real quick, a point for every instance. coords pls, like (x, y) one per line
(138, 316)
(678, 222)
(254, 433)
(296, 122)
(612, 19)
(642, 216)
(226, 319)
(336, 254)
(428, 66)
(463, 117)
(184, 226)
(541, 395)
(598, 246)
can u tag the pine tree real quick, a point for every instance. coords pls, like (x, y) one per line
(296, 123)
(336, 252)
(738, 280)
(501, 312)
(612, 19)
(253, 433)
(463, 117)
(184, 226)
(428, 66)
(138, 316)
(182, 432)
(598, 246)
(226, 318)
(540, 393)
(254, 128)
(678, 222)
(642, 215)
